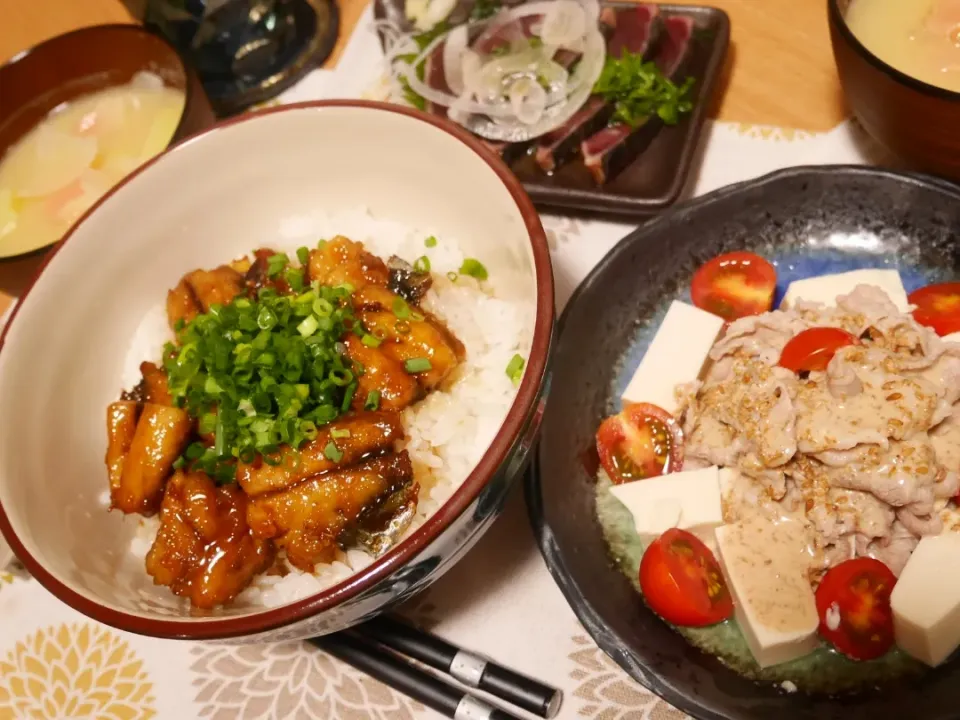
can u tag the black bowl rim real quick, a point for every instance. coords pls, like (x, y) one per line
(592, 620)
(838, 20)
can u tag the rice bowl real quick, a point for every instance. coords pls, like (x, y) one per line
(386, 182)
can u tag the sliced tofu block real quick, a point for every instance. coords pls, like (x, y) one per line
(676, 355)
(826, 288)
(926, 600)
(766, 565)
(685, 500)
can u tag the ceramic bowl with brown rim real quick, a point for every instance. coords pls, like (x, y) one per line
(78, 63)
(915, 120)
(275, 179)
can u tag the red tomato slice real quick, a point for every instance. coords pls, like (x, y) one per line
(642, 441)
(734, 285)
(813, 349)
(853, 602)
(682, 582)
(938, 307)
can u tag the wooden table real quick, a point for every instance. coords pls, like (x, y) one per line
(779, 73)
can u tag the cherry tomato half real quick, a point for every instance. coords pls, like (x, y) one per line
(734, 285)
(853, 602)
(642, 441)
(938, 307)
(682, 582)
(814, 348)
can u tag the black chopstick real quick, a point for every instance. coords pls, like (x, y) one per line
(403, 677)
(470, 669)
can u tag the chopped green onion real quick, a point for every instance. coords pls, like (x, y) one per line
(294, 278)
(321, 244)
(211, 386)
(276, 263)
(322, 307)
(348, 397)
(422, 264)
(303, 255)
(415, 365)
(452, 276)
(309, 326)
(336, 433)
(474, 268)
(370, 341)
(262, 373)
(400, 308)
(373, 400)
(515, 368)
(332, 452)
(430, 242)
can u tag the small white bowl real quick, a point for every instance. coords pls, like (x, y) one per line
(95, 312)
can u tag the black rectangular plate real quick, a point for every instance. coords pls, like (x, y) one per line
(656, 178)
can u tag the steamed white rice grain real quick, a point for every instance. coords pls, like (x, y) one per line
(448, 432)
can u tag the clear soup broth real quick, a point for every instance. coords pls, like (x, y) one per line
(920, 38)
(55, 172)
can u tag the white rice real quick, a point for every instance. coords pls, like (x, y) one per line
(447, 432)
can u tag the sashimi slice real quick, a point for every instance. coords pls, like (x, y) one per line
(608, 151)
(636, 30)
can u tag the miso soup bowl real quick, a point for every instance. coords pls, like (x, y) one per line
(83, 61)
(915, 121)
(271, 178)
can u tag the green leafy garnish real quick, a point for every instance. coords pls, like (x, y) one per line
(262, 373)
(423, 41)
(639, 90)
(484, 9)
(474, 268)
(515, 368)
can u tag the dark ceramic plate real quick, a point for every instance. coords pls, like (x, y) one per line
(655, 179)
(809, 221)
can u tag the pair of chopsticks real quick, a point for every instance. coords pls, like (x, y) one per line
(383, 646)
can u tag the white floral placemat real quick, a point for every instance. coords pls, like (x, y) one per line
(499, 600)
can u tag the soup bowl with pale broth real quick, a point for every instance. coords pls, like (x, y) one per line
(899, 64)
(81, 111)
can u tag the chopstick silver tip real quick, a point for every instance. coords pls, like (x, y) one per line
(553, 707)
(473, 708)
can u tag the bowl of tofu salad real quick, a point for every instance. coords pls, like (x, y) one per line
(747, 481)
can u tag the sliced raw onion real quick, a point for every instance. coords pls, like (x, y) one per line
(504, 86)
(564, 24)
(527, 100)
(453, 51)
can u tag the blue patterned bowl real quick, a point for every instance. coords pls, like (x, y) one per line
(808, 222)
